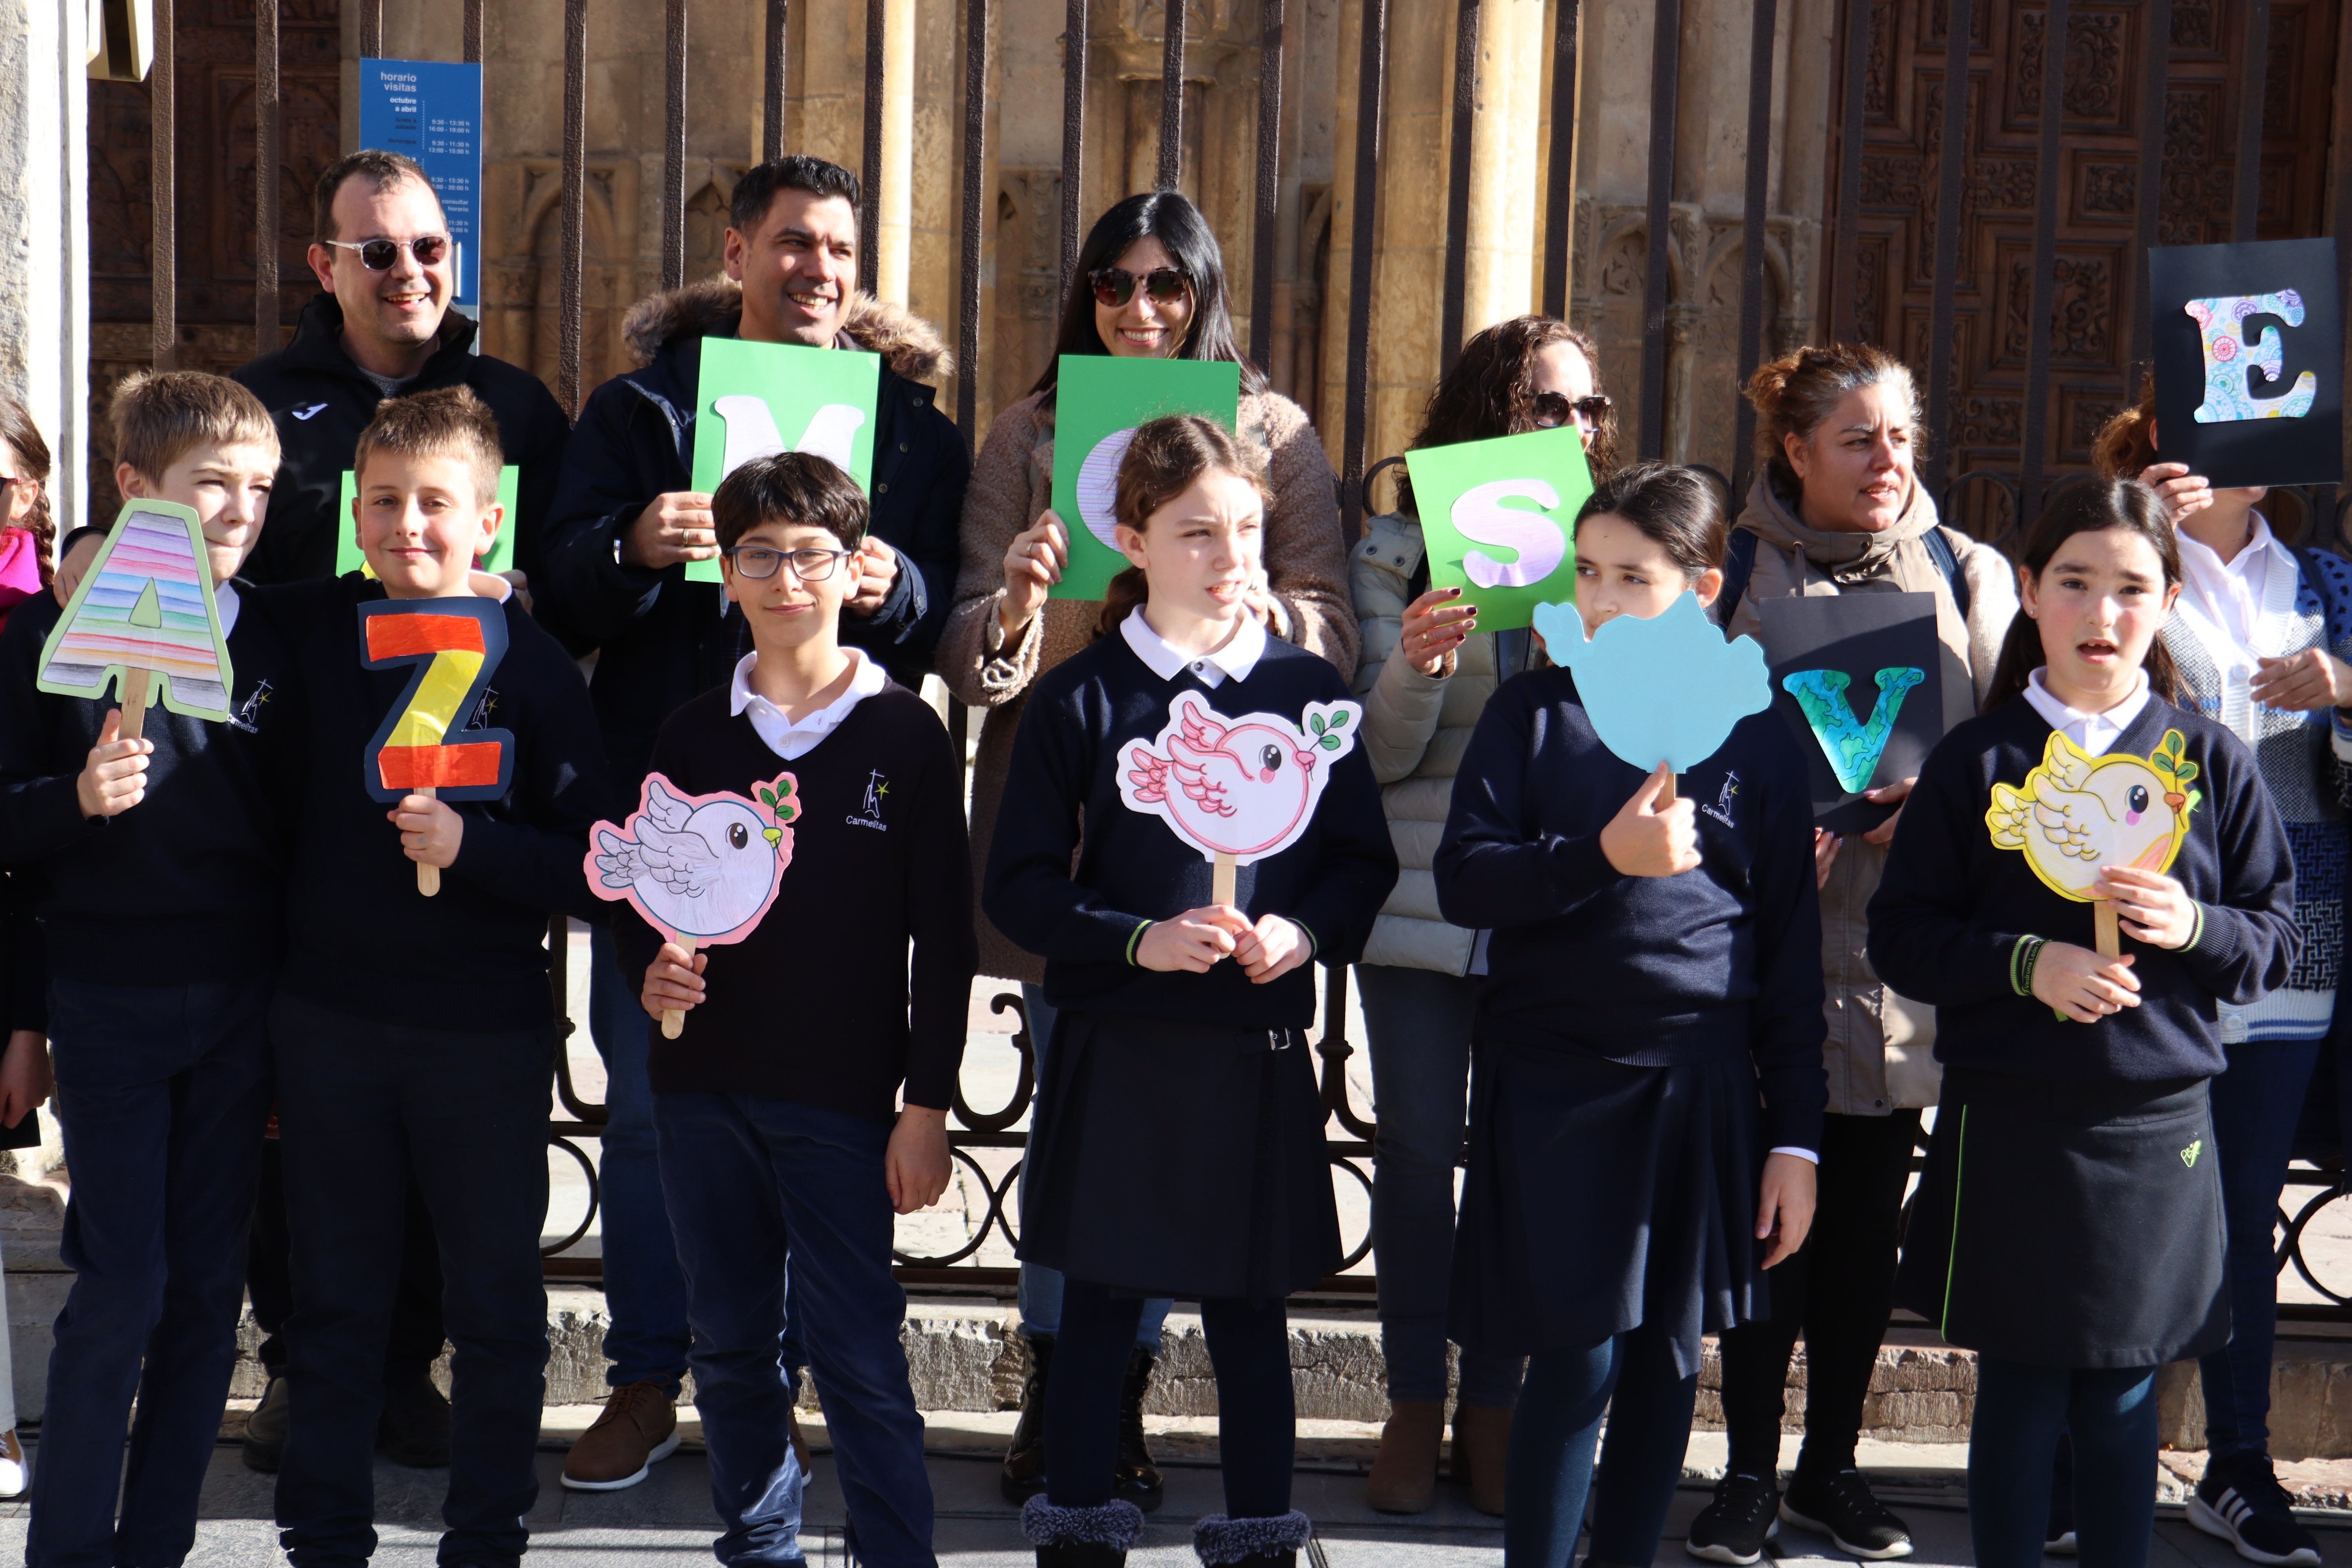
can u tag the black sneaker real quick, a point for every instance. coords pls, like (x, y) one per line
(1840, 1506)
(2241, 1502)
(1736, 1525)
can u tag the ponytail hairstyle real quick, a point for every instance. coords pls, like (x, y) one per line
(1673, 508)
(2125, 445)
(1164, 460)
(1797, 393)
(2089, 505)
(1491, 392)
(31, 454)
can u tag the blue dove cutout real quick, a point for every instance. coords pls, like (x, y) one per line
(1663, 690)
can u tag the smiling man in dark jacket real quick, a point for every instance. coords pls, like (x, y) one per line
(625, 524)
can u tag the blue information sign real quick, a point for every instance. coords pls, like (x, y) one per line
(431, 110)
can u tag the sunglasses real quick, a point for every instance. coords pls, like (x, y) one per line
(760, 562)
(378, 255)
(1554, 409)
(1115, 286)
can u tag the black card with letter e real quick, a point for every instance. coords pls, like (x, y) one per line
(1858, 679)
(2249, 347)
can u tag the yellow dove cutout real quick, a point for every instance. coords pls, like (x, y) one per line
(2079, 815)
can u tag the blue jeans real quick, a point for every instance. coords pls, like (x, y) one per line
(1041, 1288)
(1417, 1026)
(643, 1287)
(1549, 1472)
(745, 1176)
(364, 1108)
(2109, 1415)
(2256, 1104)
(162, 1091)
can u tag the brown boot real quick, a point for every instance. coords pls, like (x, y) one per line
(638, 1430)
(1482, 1443)
(1404, 1472)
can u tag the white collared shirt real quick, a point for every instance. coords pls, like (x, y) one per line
(2092, 732)
(2230, 593)
(789, 739)
(225, 603)
(1236, 659)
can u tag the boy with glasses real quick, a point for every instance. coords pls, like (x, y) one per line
(777, 1107)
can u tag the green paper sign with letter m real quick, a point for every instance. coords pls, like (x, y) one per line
(1497, 517)
(758, 399)
(1098, 403)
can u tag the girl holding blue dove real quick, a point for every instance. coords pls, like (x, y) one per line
(2084, 879)
(1696, 898)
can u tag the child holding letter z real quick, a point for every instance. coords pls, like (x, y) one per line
(415, 1036)
(161, 865)
(1645, 1089)
(2082, 878)
(1181, 1149)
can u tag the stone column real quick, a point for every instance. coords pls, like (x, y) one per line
(45, 210)
(1506, 228)
(895, 220)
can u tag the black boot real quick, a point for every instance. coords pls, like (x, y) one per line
(1221, 1542)
(413, 1427)
(1094, 1537)
(1024, 1461)
(1137, 1479)
(265, 1429)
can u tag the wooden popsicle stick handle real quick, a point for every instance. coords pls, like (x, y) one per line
(428, 877)
(674, 1018)
(1221, 880)
(134, 703)
(2103, 915)
(1666, 795)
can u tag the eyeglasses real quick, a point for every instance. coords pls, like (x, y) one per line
(1115, 286)
(378, 255)
(760, 562)
(1554, 409)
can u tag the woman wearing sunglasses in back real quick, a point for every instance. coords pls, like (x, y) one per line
(1150, 283)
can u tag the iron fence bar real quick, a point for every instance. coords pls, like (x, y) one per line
(1559, 180)
(163, 182)
(267, 217)
(1171, 97)
(2045, 262)
(1765, 22)
(473, 32)
(1457, 181)
(1371, 81)
(2255, 76)
(673, 240)
(1269, 185)
(870, 209)
(575, 203)
(1845, 254)
(771, 101)
(1666, 72)
(2158, 49)
(1952, 168)
(975, 149)
(1073, 134)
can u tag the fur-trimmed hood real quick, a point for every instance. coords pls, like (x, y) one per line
(908, 344)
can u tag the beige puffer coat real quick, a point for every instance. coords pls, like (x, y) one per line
(1879, 1048)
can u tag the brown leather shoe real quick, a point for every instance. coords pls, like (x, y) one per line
(639, 1428)
(1482, 1443)
(1404, 1472)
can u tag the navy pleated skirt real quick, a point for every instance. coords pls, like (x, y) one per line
(1601, 1197)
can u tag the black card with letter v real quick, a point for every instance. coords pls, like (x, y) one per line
(1858, 679)
(2248, 347)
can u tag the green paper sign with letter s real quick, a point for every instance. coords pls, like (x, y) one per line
(501, 556)
(1497, 517)
(1098, 402)
(758, 399)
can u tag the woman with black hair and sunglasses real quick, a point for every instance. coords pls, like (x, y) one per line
(1150, 284)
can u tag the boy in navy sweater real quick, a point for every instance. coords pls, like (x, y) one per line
(414, 1034)
(161, 865)
(772, 1134)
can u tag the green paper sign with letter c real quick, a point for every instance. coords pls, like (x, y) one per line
(1099, 400)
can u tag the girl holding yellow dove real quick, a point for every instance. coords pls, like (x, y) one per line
(2084, 878)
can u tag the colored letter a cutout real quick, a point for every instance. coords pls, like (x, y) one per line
(1852, 746)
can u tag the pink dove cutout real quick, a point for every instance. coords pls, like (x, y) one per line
(1239, 788)
(701, 868)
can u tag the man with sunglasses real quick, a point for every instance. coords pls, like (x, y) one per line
(379, 327)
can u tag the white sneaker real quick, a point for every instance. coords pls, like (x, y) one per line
(11, 1465)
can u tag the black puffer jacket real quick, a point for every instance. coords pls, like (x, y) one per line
(664, 639)
(321, 400)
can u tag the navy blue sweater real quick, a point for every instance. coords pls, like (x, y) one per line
(362, 939)
(1944, 923)
(187, 885)
(1648, 971)
(1132, 869)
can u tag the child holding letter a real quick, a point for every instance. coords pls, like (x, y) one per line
(414, 1035)
(2070, 1227)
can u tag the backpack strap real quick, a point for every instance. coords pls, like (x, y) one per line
(1739, 565)
(1939, 550)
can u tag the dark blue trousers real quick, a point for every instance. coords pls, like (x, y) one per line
(162, 1091)
(748, 1178)
(363, 1108)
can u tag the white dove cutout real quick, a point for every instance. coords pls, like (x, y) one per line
(752, 432)
(1237, 790)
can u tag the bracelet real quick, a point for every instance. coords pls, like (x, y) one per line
(2021, 959)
